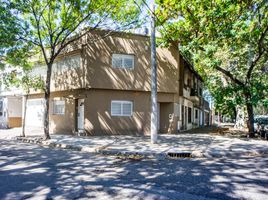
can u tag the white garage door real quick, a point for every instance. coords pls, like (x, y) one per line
(35, 113)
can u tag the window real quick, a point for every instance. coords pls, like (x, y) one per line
(1, 108)
(123, 61)
(58, 107)
(196, 114)
(121, 108)
(200, 92)
(189, 115)
(67, 63)
(189, 82)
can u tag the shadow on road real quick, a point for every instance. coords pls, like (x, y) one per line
(30, 171)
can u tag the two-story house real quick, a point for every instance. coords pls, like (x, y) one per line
(102, 86)
(192, 101)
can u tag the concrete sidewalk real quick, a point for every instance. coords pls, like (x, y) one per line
(195, 145)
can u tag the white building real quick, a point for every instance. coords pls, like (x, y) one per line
(10, 105)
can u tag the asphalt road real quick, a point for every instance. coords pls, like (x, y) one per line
(29, 171)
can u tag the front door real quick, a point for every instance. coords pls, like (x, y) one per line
(80, 114)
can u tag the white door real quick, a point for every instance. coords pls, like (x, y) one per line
(80, 114)
(35, 113)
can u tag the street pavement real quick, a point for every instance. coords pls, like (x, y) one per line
(199, 145)
(29, 171)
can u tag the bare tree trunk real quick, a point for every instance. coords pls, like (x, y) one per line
(47, 98)
(24, 115)
(250, 122)
(235, 113)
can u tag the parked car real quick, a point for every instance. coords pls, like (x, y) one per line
(261, 126)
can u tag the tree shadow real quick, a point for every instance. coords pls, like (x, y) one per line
(30, 171)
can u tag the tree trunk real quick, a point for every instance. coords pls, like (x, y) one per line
(24, 115)
(47, 98)
(240, 117)
(235, 113)
(250, 122)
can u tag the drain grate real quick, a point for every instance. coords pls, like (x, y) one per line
(180, 155)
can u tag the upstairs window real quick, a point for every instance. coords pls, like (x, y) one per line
(200, 92)
(58, 107)
(123, 61)
(121, 108)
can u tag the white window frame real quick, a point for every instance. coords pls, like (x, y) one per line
(123, 57)
(61, 102)
(122, 103)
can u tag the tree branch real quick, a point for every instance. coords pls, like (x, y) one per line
(26, 40)
(261, 50)
(228, 74)
(37, 20)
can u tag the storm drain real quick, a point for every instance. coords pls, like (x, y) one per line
(180, 155)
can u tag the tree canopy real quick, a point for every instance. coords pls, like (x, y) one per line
(226, 36)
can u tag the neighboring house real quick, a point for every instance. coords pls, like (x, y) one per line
(10, 105)
(192, 104)
(103, 87)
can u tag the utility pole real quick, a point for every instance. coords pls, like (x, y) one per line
(154, 110)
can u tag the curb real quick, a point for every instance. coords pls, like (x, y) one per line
(149, 155)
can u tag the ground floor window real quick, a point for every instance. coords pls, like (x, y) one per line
(189, 115)
(196, 114)
(121, 108)
(58, 107)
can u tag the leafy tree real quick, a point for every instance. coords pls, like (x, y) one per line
(25, 81)
(227, 36)
(11, 49)
(29, 82)
(51, 26)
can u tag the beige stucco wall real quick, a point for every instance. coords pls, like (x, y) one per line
(69, 76)
(168, 121)
(100, 73)
(98, 119)
(94, 69)
(64, 124)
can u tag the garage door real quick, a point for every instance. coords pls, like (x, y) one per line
(35, 113)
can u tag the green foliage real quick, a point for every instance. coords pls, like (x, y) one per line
(48, 26)
(23, 80)
(226, 40)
